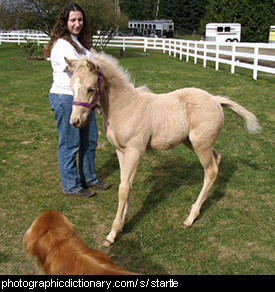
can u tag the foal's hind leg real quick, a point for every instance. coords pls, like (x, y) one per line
(210, 160)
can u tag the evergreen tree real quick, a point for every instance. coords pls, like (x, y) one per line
(186, 14)
(139, 9)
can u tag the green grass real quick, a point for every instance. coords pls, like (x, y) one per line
(235, 231)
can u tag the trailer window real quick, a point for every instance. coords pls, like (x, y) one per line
(219, 29)
(227, 28)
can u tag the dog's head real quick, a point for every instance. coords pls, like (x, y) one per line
(47, 230)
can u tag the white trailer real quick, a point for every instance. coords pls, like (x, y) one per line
(163, 28)
(223, 32)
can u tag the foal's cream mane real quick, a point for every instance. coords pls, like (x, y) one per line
(110, 67)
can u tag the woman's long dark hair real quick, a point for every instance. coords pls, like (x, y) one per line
(60, 29)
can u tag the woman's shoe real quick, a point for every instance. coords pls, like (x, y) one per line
(101, 186)
(83, 193)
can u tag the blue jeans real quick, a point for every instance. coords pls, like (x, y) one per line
(72, 141)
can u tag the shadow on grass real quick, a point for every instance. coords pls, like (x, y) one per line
(109, 167)
(169, 175)
(174, 173)
(137, 259)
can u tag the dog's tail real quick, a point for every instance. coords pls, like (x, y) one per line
(250, 120)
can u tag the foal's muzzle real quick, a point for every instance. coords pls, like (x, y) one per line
(77, 122)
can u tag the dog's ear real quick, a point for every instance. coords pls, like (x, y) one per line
(28, 243)
(47, 229)
(34, 233)
(30, 239)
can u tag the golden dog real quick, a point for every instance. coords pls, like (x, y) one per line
(59, 251)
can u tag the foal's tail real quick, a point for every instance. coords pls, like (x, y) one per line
(250, 120)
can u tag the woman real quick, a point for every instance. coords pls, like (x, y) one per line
(70, 38)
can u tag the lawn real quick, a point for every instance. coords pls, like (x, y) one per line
(235, 231)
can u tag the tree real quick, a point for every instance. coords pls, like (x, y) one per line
(42, 14)
(139, 9)
(103, 15)
(186, 14)
(9, 21)
(255, 16)
(34, 14)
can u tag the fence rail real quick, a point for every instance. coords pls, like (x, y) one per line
(22, 37)
(254, 56)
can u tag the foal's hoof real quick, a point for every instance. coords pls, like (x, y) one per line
(185, 226)
(187, 223)
(107, 243)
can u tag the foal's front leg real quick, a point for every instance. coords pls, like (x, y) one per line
(129, 162)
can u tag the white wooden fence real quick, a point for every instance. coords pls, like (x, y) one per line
(22, 37)
(254, 56)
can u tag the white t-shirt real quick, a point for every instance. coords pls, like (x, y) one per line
(62, 76)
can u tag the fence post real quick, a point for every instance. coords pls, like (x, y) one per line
(187, 51)
(123, 43)
(170, 47)
(175, 48)
(196, 53)
(180, 50)
(233, 59)
(145, 44)
(217, 55)
(256, 58)
(163, 46)
(204, 54)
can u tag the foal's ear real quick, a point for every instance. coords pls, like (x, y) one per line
(91, 66)
(71, 63)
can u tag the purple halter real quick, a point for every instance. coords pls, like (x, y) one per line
(88, 105)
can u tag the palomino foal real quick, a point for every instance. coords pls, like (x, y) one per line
(135, 120)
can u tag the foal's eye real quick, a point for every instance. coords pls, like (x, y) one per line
(91, 89)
